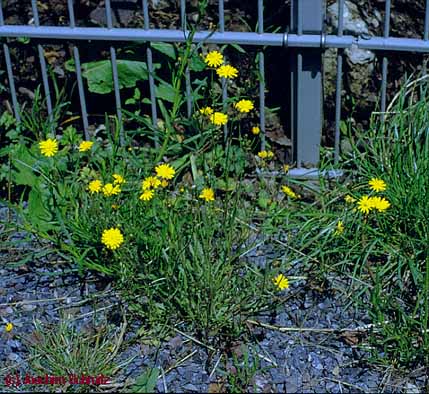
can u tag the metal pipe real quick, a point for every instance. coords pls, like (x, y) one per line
(221, 16)
(261, 76)
(426, 33)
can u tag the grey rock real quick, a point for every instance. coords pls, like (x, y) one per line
(352, 21)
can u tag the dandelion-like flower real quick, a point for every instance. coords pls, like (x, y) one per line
(365, 204)
(289, 192)
(95, 186)
(214, 59)
(349, 199)
(165, 171)
(219, 119)
(286, 168)
(151, 182)
(339, 228)
(207, 194)
(112, 238)
(377, 184)
(164, 183)
(49, 147)
(206, 111)
(118, 179)
(110, 190)
(380, 203)
(227, 71)
(147, 195)
(256, 130)
(281, 282)
(265, 154)
(244, 106)
(8, 327)
(85, 145)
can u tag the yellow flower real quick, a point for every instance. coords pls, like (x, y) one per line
(281, 282)
(112, 238)
(150, 182)
(379, 203)
(340, 228)
(365, 204)
(165, 171)
(206, 111)
(207, 194)
(48, 147)
(9, 327)
(85, 145)
(256, 130)
(289, 192)
(95, 186)
(164, 183)
(349, 199)
(214, 59)
(110, 190)
(219, 119)
(286, 168)
(118, 179)
(227, 71)
(115, 206)
(264, 154)
(376, 184)
(147, 195)
(244, 106)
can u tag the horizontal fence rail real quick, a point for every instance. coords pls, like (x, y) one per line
(304, 38)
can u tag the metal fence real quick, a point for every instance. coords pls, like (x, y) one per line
(304, 39)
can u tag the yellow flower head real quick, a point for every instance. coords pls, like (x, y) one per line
(339, 228)
(227, 71)
(151, 182)
(380, 203)
(219, 119)
(376, 184)
(164, 183)
(147, 195)
(95, 186)
(256, 130)
(111, 190)
(265, 154)
(281, 282)
(206, 111)
(286, 168)
(244, 106)
(85, 145)
(289, 192)
(115, 206)
(112, 238)
(349, 199)
(9, 327)
(165, 171)
(49, 147)
(365, 204)
(118, 179)
(214, 59)
(207, 194)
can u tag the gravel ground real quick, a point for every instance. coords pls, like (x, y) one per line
(291, 361)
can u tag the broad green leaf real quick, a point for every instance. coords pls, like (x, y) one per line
(146, 382)
(196, 63)
(23, 162)
(99, 74)
(165, 92)
(165, 48)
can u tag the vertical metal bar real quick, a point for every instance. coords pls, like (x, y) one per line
(261, 75)
(426, 33)
(384, 64)
(306, 116)
(187, 71)
(224, 81)
(115, 74)
(43, 67)
(338, 83)
(9, 70)
(152, 90)
(79, 78)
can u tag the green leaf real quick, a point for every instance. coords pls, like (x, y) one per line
(99, 74)
(196, 63)
(23, 162)
(146, 382)
(165, 92)
(166, 49)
